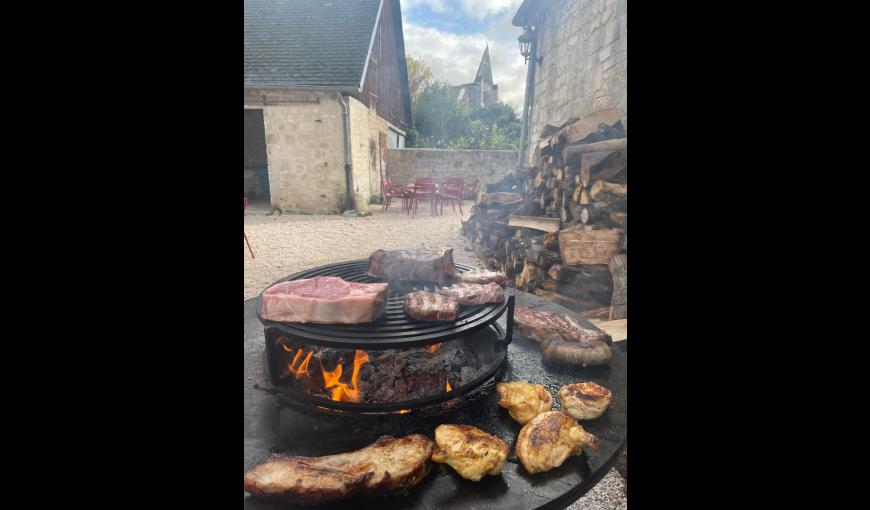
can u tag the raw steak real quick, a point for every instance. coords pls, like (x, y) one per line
(475, 294)
(431, 306)
(325, 300)
(481, 276)
(420, 265)
(542, 325)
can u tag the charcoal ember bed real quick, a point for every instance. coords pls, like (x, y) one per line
(274, 424)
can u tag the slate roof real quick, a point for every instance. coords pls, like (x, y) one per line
(308, 43)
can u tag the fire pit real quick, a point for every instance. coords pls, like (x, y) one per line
(279, 422)
(396, 364)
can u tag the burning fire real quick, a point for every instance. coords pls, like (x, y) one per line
(403, 411)
(297, 371)
(344, 392)
(448, 385)
(433, 348)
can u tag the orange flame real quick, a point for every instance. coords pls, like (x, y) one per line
(433, 348)
(345, 392)
(403, 411)
(448, 385)
(301, 369)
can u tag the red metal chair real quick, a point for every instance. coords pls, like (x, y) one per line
(391, 191)
(451, 191)
(424, 191)
(245, 211)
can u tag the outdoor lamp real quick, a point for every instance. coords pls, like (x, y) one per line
(525, 40)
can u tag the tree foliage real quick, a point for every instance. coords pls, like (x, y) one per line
(419, 76)
(441, 121)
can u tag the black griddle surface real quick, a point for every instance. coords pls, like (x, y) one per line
(274, 427)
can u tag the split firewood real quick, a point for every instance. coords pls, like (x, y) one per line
(619, 302)
(584, 170)
(588, 247)
(535, 222)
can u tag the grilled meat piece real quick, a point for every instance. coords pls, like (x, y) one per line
(582, 353)
(584, 401)
(541, 325)
(470, 451)
(475, 293)
(545, 442)
(481, 276)
(524, 400)
(420, 265)
(325, 300)
(386, 466)
(431, 306)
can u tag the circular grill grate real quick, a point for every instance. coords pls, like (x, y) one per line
(395, 329)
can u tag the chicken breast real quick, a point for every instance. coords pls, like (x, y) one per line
(470, 451)
(524, 400)
(545, 442)
(388, 465)
(584, 401)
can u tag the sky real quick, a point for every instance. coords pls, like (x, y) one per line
(450, 36)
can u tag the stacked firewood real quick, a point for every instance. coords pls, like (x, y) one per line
(558, 229)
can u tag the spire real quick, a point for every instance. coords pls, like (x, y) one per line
(484, 71)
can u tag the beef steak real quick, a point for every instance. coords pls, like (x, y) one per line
(475, 294)
(542, 325)
(431, 306)
(420, 265)
(325, 300)
(481, 276)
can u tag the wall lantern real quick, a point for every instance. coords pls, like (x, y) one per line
(525, 40)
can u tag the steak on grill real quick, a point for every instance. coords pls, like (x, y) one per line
(481, 276)
(431, 306)
(475, 293)
(542, 325)
(420, 265)
(386, 466)
(324, 300)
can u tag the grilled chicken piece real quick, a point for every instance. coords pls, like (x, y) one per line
(545, 442)
(386, 466)
(584, 401)
(470, 451)
(524, 400)
(581, 352)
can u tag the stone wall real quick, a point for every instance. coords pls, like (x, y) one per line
(365, 129)
(305, 150)
(404, 165)
(583, 45)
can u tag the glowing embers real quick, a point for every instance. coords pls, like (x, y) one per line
(319, 380)
(433, 348)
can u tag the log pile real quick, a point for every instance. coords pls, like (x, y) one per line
(558, 229)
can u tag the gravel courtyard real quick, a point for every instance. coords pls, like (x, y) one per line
(286, 244)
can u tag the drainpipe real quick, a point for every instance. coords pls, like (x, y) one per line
(348, 167)
(530, 85)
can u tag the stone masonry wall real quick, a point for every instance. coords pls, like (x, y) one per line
(305, 150)
(583, 44)
(404, 165)
(365, 128)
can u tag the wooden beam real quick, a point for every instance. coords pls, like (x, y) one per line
(617, 144)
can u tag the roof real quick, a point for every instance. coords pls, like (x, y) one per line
(308, 43)
(484, 71)
(524, 15)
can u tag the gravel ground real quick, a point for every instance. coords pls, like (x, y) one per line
(286, 244)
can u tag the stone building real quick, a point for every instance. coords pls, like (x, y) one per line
(325, 95)
(482, 92)
(580, 59)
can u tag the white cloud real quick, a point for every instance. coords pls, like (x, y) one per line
(481, 9)
(454, 58)
(435, 5)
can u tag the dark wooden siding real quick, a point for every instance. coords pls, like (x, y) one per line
(386, 84)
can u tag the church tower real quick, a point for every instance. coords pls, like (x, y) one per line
(482, 92)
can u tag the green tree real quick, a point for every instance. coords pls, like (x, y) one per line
(419, 76)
